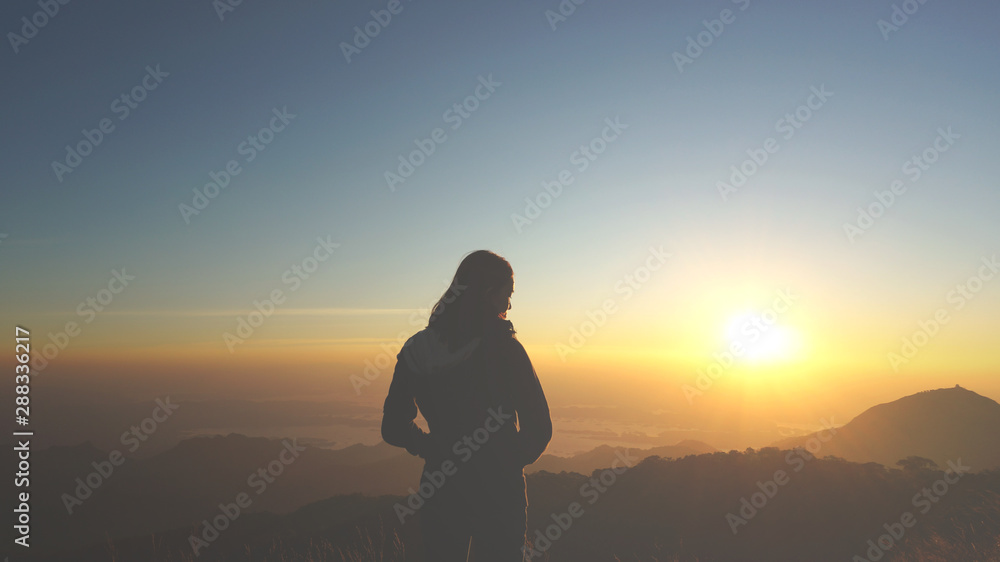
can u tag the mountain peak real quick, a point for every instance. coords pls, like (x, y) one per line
(941, 424)
(956, 401)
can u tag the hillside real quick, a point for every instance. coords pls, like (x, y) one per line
(677, 510)
(187, 483)
(942, 425)
(603, 456)
(181, 486)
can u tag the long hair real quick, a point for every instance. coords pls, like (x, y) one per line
(463, 312)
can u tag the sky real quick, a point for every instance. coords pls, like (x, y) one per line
(818, 174)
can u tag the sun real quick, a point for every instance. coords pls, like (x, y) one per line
(761, 338)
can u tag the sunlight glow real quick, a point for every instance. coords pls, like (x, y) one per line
(762, 339)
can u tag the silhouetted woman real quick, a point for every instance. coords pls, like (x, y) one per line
(487, 417)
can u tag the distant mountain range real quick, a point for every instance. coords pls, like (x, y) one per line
(686, 510)
(185, 484)
(603, 456)
(941, 425)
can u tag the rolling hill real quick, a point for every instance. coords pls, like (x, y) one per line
(603, 456)
(941, 425)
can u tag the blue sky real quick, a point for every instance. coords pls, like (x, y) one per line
(323, 175)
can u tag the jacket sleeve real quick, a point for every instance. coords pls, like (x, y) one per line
(534, 422)
(399, 411)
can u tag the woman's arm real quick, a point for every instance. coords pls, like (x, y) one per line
(534, 422)
(399, 411)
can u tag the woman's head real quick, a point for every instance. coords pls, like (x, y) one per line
(478, 296)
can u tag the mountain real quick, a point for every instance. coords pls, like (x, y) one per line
(942, 425)
(81, 495)
(189, 481)
(604, 455)
(182, 486)
(695, 509)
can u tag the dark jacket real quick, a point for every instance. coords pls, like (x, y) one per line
(483, 404)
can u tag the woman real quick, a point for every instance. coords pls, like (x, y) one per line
(485, 410)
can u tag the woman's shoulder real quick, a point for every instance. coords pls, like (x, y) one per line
(502, 329)
(504, 339)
